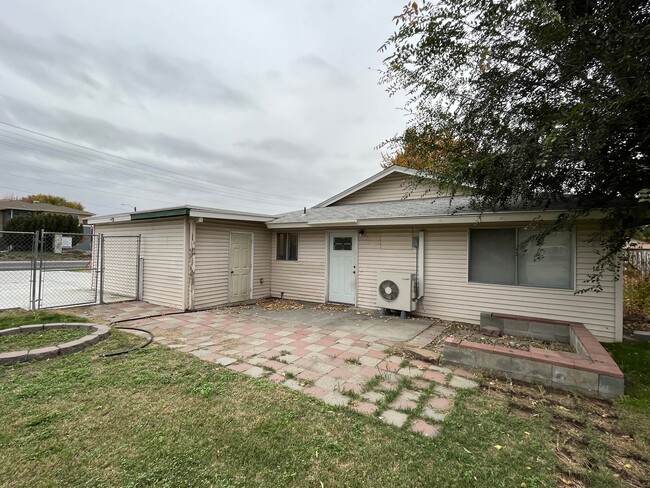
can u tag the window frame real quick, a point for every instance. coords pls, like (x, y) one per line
(287, 246)
(517, 229)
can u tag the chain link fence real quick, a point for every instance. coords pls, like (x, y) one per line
(18, 254)
(51, 270)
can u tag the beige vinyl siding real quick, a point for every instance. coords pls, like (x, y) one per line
(212, 272)
(163, 252)
(382, 250)
(396, 186)
(448, 294)
(305, 278)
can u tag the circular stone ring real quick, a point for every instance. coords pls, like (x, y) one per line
(96, 333)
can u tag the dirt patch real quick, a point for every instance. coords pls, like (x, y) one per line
(635, 323)
(587, 436)
(334, 307)
(278, 304)
(472, 332)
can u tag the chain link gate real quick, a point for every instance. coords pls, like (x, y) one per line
(40, 270)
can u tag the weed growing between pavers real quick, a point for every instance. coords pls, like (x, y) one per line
(279, 359)
(372, 383)
(350, 393)
(416, 413)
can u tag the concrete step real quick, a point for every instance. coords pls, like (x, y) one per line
(424, 354)
(641, 335)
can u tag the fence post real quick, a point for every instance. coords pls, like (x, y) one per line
(32, 291)
(41, 251)
(101, 267)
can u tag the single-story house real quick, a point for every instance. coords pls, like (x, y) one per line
(14, 208)
(460, 263)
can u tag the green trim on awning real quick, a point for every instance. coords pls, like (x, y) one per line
(175, 212)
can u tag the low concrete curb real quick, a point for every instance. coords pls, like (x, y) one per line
(96, 333)
(590, 371)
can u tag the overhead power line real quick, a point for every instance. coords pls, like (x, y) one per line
(130, 174)
(94, 190)
(132, 162)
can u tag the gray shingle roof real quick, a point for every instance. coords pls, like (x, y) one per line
(429, 207)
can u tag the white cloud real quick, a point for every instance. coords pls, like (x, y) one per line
(266, 107)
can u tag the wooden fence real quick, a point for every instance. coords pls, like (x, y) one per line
(638, 262)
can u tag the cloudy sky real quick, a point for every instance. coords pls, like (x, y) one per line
(262, 106)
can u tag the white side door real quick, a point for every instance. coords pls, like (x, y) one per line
(343, 267)
(241, 246)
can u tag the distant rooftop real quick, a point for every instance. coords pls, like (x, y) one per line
(41, 207)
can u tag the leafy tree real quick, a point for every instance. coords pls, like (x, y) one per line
(64, 224)
(52, 200)
(531, 101)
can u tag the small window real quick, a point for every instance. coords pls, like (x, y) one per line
(342, 244)
(287, 246)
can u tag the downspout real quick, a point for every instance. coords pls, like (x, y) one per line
(420, 265)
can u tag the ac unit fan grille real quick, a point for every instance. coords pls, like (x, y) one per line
(389, 290)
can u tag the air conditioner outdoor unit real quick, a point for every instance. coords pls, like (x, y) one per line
(396, 290)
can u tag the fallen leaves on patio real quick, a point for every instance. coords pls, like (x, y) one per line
(277, 304)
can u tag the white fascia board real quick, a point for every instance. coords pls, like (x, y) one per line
(206, 214)
(333, 223)
(473, 218)
(110, 219)
(366, 182)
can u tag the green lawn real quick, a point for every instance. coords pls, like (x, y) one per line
(16, 319)
(163, 418)
(34, 340)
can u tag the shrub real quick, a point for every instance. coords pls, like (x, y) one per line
(637, 297)
(64, 224)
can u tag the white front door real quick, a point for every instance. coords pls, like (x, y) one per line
(343, 267)
(239, 288)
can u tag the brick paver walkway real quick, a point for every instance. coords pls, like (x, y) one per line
(336, 367)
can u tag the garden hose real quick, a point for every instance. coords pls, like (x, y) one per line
(126, 351)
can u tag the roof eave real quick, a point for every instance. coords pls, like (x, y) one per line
(183, 211)
(109, 219)
(245, 217)
(465, 218)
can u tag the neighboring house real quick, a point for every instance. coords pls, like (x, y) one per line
(466, 263)
(15, 208)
